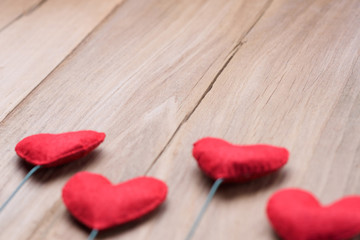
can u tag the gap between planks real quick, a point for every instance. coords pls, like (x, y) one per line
(88, 35)
(26, 12)
(230, 56)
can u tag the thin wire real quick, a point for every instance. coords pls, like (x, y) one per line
(93, 234)
(31, 172)
(212, 192)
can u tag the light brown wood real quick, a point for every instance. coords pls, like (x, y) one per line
(294, 83)
(37, 42)
(157, 75)
(11, 10)
(137, 84)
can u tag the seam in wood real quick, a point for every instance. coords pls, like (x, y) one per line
(32, 9)
(187, 116)
(116, 7)
(27, 12)
(261, 14)
(230, 56)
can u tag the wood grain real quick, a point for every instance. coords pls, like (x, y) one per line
(294, 83)
(157, 75)
(137, 84)
(37, 42)
(11, 10)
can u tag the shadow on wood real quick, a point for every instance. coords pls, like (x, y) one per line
(231, 190)
(117, 231)
(47, 174)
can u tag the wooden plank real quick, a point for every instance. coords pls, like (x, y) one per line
(37, 42)
(136, 78)
(11, 10)
(294, 83)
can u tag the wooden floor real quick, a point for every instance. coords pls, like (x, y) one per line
(155, 76)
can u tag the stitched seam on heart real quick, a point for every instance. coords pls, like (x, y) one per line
(79, 150)
(260, 169)
(267, 166)
(48, 162)
(280, 196)
(154, 201)
(81, 147)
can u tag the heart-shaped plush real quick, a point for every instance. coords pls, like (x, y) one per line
(237, 163)
(51, 150)
(297, 215)
(98, 204)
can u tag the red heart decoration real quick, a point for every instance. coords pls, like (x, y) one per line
(98, 204)
(297, 215)
(237, 163)
(51, 150)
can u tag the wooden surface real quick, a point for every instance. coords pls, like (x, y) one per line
(156, 75)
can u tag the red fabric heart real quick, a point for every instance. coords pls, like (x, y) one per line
(51, 150)
(98, 204)
(297, 215)
(237, 163)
